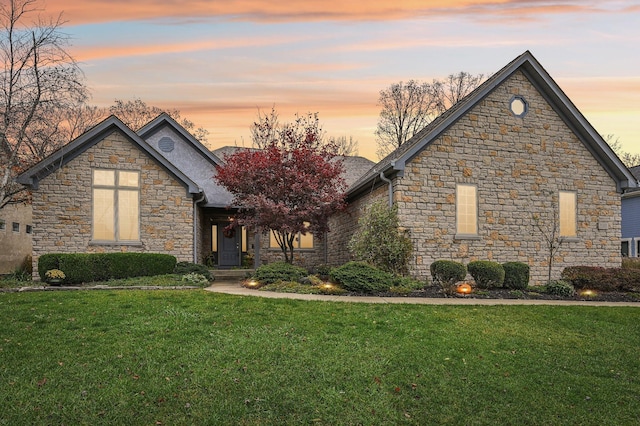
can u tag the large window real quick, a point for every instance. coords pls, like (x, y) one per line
(116, 205)
(568, 214)
(466, 210)
(300, 242)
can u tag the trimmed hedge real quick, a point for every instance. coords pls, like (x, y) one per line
(361, 277)
(279, 271)
(487, 274)
(447, 272)
(89, 267)
(602, 279)
(516, 275)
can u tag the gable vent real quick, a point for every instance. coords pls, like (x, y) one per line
(166, 144)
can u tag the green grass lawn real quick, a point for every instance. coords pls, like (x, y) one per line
(191, 357)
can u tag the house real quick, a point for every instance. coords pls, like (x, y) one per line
(495, 175)
(630, 245)
(15, 236)
(491, 178)
(113, 189)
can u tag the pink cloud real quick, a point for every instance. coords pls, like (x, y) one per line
(92, 11)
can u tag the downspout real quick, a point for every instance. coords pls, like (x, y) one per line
(388, 182)
(195, 226)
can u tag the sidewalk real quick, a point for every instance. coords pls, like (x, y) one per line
(234, 287)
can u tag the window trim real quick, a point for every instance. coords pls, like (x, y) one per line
(115, 188)
(460, 235)
(629, 246)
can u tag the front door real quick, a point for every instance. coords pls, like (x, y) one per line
(229, 244)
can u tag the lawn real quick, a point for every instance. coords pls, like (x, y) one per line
(170, 357)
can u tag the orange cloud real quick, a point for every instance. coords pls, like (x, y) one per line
(93, 11)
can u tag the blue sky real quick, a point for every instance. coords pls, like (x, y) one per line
(220, 61)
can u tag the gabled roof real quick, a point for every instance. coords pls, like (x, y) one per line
(62, 156)
(165, 119)
(354, 166)
(538, 76)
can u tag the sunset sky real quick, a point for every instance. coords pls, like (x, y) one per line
(219, 61)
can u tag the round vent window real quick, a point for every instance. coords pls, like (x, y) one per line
(166, 144)
(518, 106)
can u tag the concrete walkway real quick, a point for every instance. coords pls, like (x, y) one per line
(234, 287)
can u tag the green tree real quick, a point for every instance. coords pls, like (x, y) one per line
(380, 241)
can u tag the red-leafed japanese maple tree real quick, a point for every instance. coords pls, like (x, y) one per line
(292, 185)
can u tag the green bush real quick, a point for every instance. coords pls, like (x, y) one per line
(88, 267)
(279, 271)
(183, 268)
(361, 277)
(447, 272)
(193, 278)
(516, 275)
(487, 274)
(380, 241)
(559, 288)
(630, 263)
(602, 279)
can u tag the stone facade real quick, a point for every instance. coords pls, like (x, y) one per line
(15, 243)
(344, 224)
(518, 165)
(62, 206)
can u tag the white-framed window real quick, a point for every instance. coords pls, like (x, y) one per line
(3, 225)
(116, 205)
(567, 204)
(301, 242)
(15, 226)
(625, 247)
(466, 210)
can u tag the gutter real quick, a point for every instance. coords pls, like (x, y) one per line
(390, 184)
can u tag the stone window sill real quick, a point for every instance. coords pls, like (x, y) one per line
(116, 243)
(466, 237)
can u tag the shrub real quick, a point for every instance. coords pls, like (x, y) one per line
(88, 267)
(487, 274)
(279, 271)
(322, 271)
(196, 279)
(602, 279)
(361, 277)
(447, 272)
(630, 263)
(405, 285)
(183, 268)
(516, 275)
(559, 288)
(379, 240)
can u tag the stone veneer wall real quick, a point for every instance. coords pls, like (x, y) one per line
(62, 205)
(307, 258)
(518, 165)
(343, 225)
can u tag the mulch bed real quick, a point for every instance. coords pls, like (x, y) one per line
(436, 292)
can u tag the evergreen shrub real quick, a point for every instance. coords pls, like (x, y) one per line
(88, 267)
(486, 274)
(279, 271)
(447, 272)
(361, 277)
(516, 275)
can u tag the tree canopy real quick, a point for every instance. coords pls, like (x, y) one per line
(291, 185)
(408, 107)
